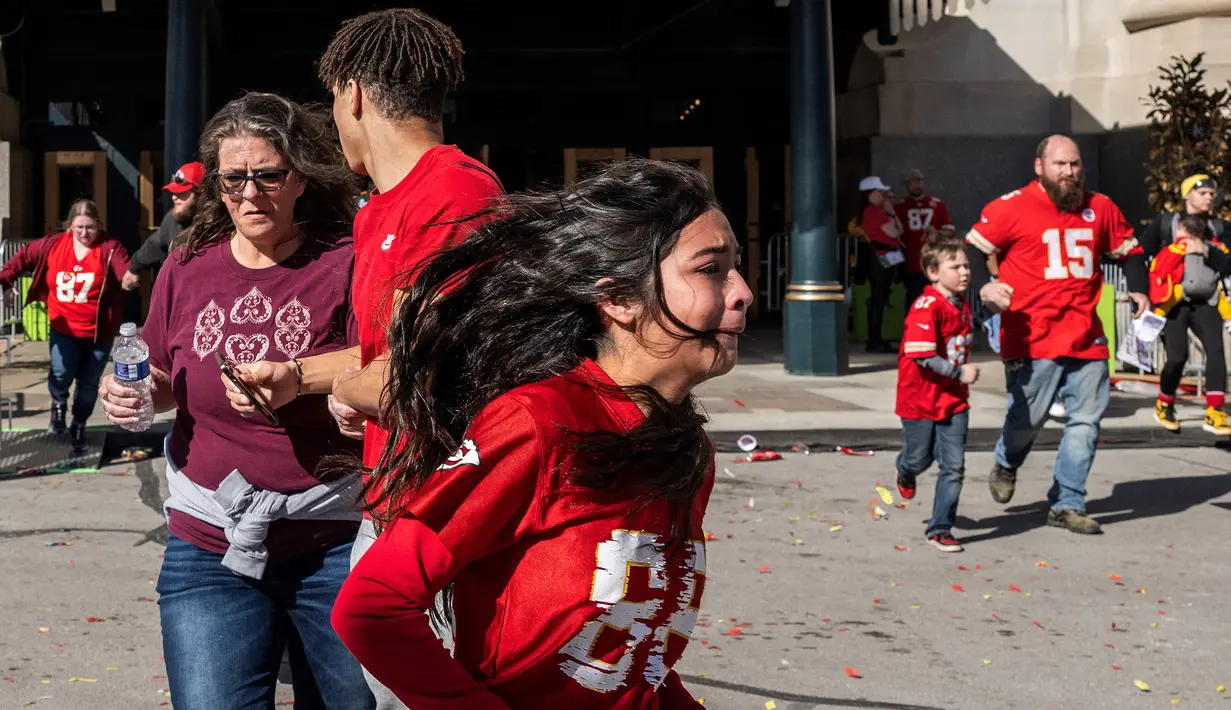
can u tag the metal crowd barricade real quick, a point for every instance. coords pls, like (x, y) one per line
(776, 267)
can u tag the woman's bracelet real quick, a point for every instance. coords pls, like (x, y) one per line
(298, 377)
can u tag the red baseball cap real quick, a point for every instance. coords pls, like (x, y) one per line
(188, 177)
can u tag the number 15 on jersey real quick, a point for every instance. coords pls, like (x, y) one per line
(1071, 257)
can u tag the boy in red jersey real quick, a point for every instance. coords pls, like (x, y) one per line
(390, 72)
(1049, 238)
(559, 469)
(933, 383)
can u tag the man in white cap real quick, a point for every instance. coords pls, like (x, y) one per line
(919, 212)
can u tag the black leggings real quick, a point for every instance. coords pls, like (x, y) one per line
(880, 282)
(1206, 324)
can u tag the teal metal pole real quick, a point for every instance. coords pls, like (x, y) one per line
(814, 314)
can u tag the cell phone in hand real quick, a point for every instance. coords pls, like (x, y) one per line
(229, 373)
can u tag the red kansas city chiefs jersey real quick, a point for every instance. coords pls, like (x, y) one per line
(75, 287)
(918, 214)
(1052, 259)
(934, 326)
(563, 598)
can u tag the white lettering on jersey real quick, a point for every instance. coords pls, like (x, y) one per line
(384, 246)
(67, 283)
(638, 620)
(466, 455)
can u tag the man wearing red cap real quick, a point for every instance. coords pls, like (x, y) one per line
(183, 188)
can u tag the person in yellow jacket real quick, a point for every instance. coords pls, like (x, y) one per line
(1186, 287)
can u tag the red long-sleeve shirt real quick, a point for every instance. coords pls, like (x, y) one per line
(562, 598)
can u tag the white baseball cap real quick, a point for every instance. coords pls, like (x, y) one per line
(872, 183)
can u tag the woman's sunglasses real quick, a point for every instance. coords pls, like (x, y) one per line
(265, 181)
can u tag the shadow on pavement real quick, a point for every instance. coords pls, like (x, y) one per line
(1132, 500)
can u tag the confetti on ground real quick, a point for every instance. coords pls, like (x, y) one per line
(899, 548)
(1040, 563)
(770, 705)
(1116, 578)
(1036, 623)
(113, 668)
(852, 672)
(1115, 668)
(1015, 588)
(734, 631)
(987, 662)
(987, 596)
(1141, 591)
(710, 537)
(59, 543)
(885, 495)
(958, 588)
(83, 680)
(1142, 685)
(1154, 625)
(916, 606)
(877, 512)
(764, 569)
(835, 528)
(1221, 688)
(94, 619)
(44, 629)
(1175, 701)
(798, 541)
(738, 403)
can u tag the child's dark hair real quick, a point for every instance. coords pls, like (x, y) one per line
(517, 303)
(406, 60)
(1197, 226)
(938, 246)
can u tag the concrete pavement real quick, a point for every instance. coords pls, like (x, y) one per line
(828, 600)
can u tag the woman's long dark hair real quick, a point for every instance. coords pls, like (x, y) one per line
(306, 137)
(517, 302)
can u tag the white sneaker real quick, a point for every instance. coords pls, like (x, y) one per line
(1057, 410)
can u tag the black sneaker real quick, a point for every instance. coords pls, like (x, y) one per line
(945, 542)
(1002, 482)
(1074, 521)
(57, 426)
(79, 446)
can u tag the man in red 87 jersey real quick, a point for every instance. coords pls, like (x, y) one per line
(1049, 238)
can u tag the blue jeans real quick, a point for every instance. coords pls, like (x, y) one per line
(945, 443)
(79, 359)
(1084, 387)
(223, 634)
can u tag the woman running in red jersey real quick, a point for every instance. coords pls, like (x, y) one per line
(558, 470)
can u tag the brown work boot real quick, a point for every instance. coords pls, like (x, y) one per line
(1002, 482)
(1074, 521)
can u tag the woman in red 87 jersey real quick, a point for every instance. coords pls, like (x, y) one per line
(558, 471)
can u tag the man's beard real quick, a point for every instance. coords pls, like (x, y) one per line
(1066, 195)
(183, 217)
(916, 193)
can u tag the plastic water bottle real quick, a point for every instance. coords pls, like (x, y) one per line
(132, 369)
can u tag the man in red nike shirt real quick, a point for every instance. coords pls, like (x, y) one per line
(1049, 238)
(919, 212)
(390, 72)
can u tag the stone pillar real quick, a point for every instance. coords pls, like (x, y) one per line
(814, 319)
(185, 107)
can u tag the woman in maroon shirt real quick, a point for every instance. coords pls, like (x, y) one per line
(259, 546)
